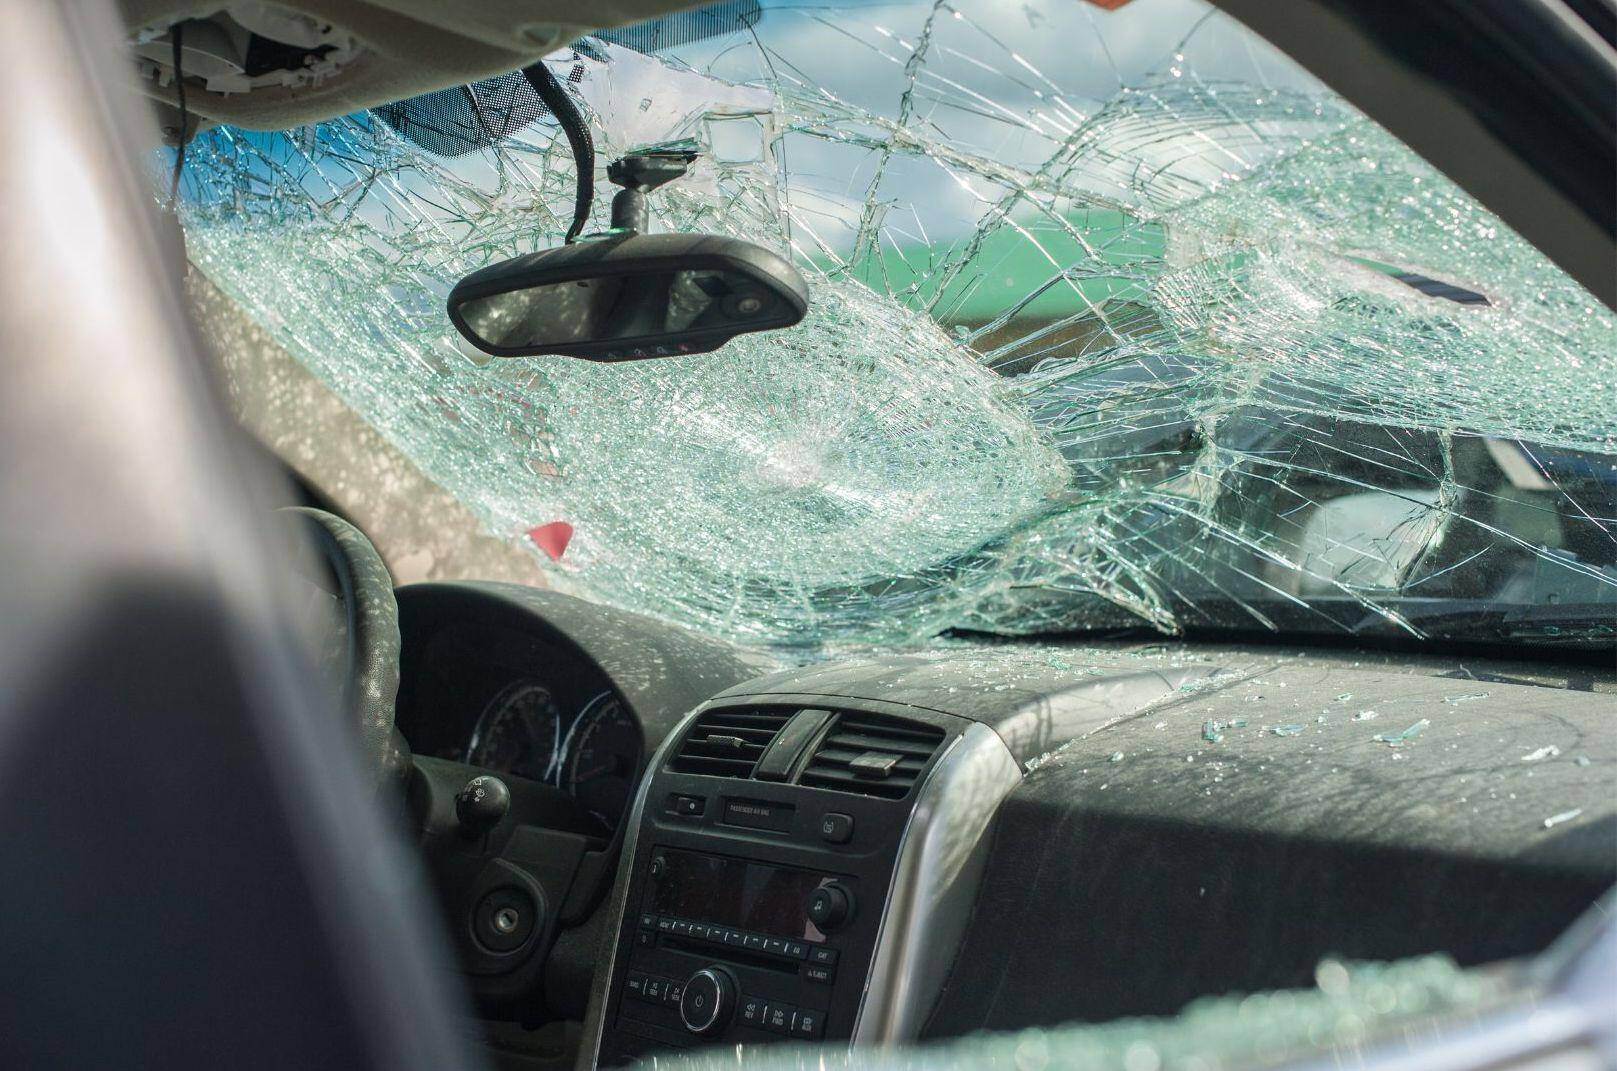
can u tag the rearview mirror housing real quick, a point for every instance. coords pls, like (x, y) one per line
(628, 297)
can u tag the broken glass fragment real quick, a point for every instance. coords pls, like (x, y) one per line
(1213, 728)
(1542, 753)
(1286, 730)
(1117, 317)
(1399, 739)
(1565, 816)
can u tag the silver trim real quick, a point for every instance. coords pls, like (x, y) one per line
(935, 878)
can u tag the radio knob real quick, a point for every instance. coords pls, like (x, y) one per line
(830, 906)
(708, 1001)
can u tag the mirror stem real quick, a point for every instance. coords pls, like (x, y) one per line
(630, 211)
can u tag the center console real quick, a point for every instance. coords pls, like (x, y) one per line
(799, 868)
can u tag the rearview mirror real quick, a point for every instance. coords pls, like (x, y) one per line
(628, 297)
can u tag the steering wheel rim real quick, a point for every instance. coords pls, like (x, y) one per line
(371, 622)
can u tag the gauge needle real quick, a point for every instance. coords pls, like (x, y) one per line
(595, 771)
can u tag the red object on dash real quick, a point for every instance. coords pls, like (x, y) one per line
(552, 538)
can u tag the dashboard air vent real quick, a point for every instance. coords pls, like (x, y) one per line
(728, 743)
(872, 754)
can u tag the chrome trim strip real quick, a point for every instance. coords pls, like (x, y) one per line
(934, 887)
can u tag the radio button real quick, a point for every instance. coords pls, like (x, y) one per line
(775, 946)
(636, 985)
(645, 938)
(808, 1023)
(754, 942)
(778, 1017)
(829, 906)
(681, 928)
(735, 938)
(672, 992)
(836, 828)
(825, 957)
(655, 988)
(708, 1001)
(823, 975)
(752, 1011)
(649, 921)
(797, 949)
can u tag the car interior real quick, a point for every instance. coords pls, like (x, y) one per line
(269, 804)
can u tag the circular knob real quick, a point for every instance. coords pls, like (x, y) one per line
(481, 803)
(830, 906)
(708, 1001)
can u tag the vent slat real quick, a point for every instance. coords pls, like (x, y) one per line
(841, 756)
(756, 737)
(756, 721)
(869, 742)
(891, 732)
(720, 751)
(847, 782)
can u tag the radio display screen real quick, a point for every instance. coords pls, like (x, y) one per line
(732, 892)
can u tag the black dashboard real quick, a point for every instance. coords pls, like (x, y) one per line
(994, 836)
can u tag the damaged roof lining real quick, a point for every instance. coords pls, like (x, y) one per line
(1212, 390)
(404, 47)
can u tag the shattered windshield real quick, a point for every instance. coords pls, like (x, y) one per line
(1117, 318)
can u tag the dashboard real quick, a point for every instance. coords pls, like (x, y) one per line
(1005, 836)
(995, 836)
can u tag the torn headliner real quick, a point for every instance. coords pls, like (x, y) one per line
(1113, 320)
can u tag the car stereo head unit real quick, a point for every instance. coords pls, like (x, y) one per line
(777, 877)
(735, 948)
(737, 894)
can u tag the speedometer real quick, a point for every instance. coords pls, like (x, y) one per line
(592, 754)
(602, 757)
(518, 732)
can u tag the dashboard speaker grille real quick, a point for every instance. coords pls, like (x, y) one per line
(872, 755)
(728, 743)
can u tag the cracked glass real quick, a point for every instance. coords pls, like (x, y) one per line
(1117, 318)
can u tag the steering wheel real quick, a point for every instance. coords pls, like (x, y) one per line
(505, 896)
(369, 640)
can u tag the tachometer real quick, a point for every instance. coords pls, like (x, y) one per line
(601, 756)
(518, 732)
